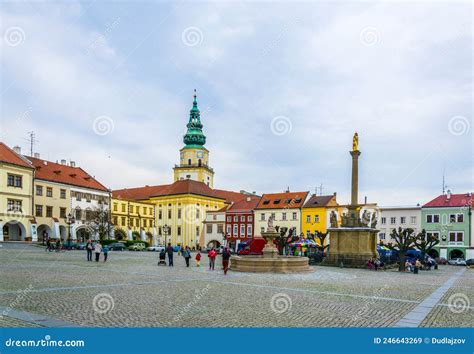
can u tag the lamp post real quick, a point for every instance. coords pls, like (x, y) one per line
(166, 229)
(69, 221)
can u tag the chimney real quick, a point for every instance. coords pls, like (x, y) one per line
(36, 155)
(72, 163)
(63, 162)
(17, 149)
(448, 195)
(249, 199)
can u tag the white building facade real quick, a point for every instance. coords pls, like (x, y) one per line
(397, 216)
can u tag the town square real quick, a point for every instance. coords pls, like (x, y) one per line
(236, 176)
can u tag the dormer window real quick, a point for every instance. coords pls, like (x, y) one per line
(277, 201)
(266, 202)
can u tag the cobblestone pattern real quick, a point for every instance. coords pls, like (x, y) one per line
(64, 285)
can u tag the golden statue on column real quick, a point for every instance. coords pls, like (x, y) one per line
(355, 142)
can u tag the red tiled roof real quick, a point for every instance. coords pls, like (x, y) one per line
(245, 205)
(9, 156)
(282, 200)
(74, 176)
(316, 201)
(456, 200)
(186, 186)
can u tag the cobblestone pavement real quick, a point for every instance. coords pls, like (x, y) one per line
(131, 291)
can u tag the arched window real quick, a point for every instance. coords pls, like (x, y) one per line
(199, 163)
(189, 162)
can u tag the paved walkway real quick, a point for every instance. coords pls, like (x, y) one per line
(40, 320)
(421, 311)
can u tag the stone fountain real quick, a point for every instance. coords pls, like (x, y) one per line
(270, 261)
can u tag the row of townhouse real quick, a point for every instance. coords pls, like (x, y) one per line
(447, 217)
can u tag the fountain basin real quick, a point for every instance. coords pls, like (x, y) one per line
(276, 264)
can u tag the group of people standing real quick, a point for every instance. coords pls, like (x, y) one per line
(186, 253)
(97, 249)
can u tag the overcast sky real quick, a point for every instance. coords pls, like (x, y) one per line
(282, 87)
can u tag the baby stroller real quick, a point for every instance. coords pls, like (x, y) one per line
(162, 258)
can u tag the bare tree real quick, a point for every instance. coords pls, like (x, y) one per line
(99, 222)
(404, 241)
(321, 238)
(285, 239)
(425, 243)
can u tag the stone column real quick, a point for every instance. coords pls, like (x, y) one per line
(355, 177)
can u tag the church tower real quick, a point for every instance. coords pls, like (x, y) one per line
(194, 157)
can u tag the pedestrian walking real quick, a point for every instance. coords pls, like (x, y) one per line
(169, 250)
(187, 255)
(48, 245)
(225, 259)
(212, 258)
(198, 259)
(97, 250)
(89, 248)
(106, 252)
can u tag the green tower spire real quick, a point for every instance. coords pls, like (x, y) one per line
(194, 137)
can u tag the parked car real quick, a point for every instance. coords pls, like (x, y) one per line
(137, 247)
(155, 248)
(457, 261)
(470, 262)
(118, 246)
(441, 260)
(69, 245)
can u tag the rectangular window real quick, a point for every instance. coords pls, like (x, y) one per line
(432, 234)
(382, 235)
(209, 228)
(249, 230)
(220, 228)
(228, 231)
(456, 236)
(115, 207)
(413, 220)
(62, 194)
(432, 219)
(229, 219)
(236, 230)
(179, 213)
(160, 214)
(393, 220)
(295, 216)
(242, 218)
(403, 220)
(262, 217)
(131, 209)
(383, 220)
(460, 218)
(308, 218)
(316, 218)
(14, 205)
(38, 210)
(273, 216)
(242, 230)
(14, 180)
(283, 216)
(178, 230)
(197, 232)
(88, 198)
(249, 218)
(62, 213)
(78, 196)
(198, 214)
(236, 218)
(39, 190)
(169, 214)
(124, 208)
(49, 192)
(49, 211)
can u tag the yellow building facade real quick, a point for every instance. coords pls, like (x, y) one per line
(16, 185)
(135, 218)
(316, 212)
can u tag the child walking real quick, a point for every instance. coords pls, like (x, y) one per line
(198, 259)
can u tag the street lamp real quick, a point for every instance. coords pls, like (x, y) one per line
(69, 221)
(166, 229)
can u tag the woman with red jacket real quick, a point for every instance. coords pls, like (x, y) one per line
(212, 258)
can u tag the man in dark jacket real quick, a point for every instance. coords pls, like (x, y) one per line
(225, 259)
(170, 251)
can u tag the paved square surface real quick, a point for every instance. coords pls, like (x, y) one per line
(39, 288)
